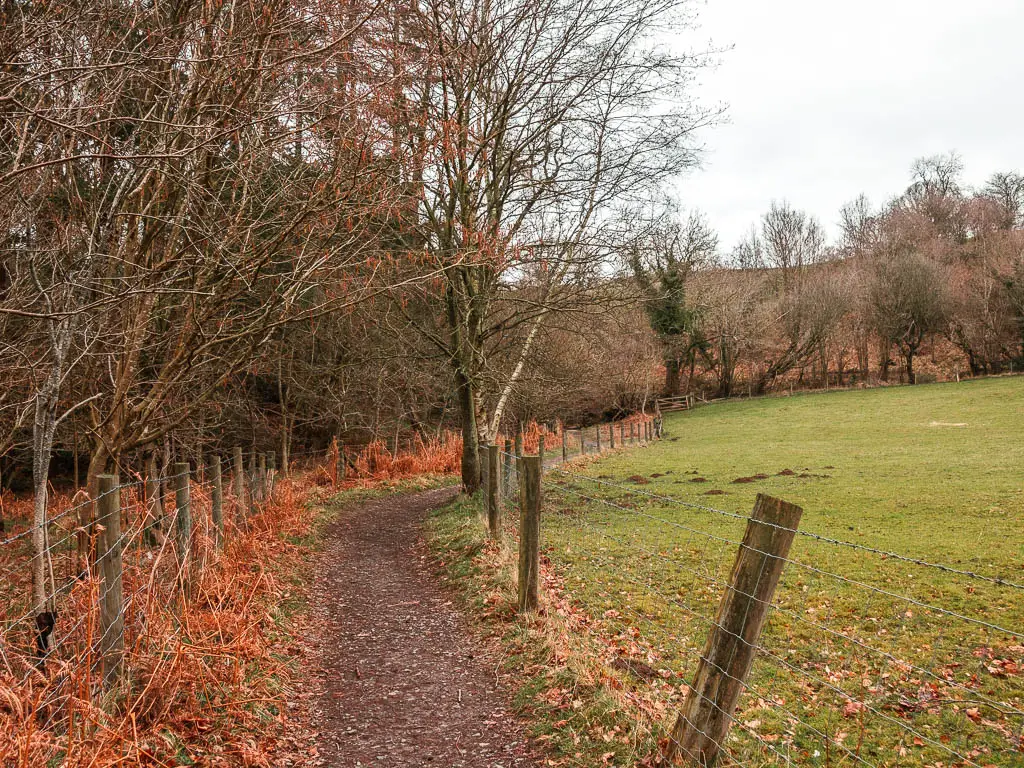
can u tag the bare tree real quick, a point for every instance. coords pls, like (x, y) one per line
(909, 301)
(540, 119)
(1007, 190)
(662, 262)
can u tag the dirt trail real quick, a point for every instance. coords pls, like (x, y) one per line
(403, 682)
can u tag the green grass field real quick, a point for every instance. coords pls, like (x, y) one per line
(867, 659)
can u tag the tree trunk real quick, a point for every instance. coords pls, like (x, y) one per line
(470, 444)
(672, 376)
(43, 429)
(909, 357)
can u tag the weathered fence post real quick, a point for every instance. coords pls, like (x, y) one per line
(491, 492)
(540, 449)
(271, 473)
(565, 445)
(507, 468)
(239, 480)
(183, 525)
(598, 430)
(530, 500)
(108, 556)
(153, 533)
(217, 501)
(261, 477)
(622, 435)
(583, 441)
(519, 441)
(700, 729)
(632, 432)
(611, 436)
(252, 482)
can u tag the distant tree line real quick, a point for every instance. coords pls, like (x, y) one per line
(937, 269)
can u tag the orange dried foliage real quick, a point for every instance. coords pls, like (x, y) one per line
(204, 678)
(441, 455)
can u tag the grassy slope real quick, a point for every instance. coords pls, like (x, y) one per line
(953, 493)
(879, 473)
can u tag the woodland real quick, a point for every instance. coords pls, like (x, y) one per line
(279, 223)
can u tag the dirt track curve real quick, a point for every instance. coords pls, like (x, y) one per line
(404, 684)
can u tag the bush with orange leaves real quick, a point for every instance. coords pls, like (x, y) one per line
(205, 678)
(439, 455)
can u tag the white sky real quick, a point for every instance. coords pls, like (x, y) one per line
(830, 98)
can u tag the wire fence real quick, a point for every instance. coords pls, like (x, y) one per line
(864, 656)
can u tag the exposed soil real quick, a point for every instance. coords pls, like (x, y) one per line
(752, 478)
(403, 681)
(715, 492)
(698, 479)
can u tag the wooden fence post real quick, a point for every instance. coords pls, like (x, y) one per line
(491, 493)
(252, 482)
(183, 525)
(153, 533)
(271, 473)
(108, 557)
(622, 435)
(583, 441)
(261, 477)
(632, 432)
(598, 430)
(540, 449)
(565, 445)
(507, 468)
(519, 441)
(530, 501)
(702, 724)
(217, 501)
(239, 481)
(611, 436)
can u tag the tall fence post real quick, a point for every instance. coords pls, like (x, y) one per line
(519, 441)
(239, 481)
(583, 441)
(491, 492)
(217, 501)
(611, 436)
(530, 501)
(271, 473)
(565, 445)
(183, 525)
(261, 477)
(707, 712)
(540, 448)
(252, 482)
(598, 430)
(507, 466)
(108, 550)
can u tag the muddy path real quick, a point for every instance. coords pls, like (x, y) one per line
(403, 682)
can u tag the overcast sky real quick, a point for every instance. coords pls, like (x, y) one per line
(830, 98)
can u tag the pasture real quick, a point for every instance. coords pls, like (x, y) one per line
(897, 632)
